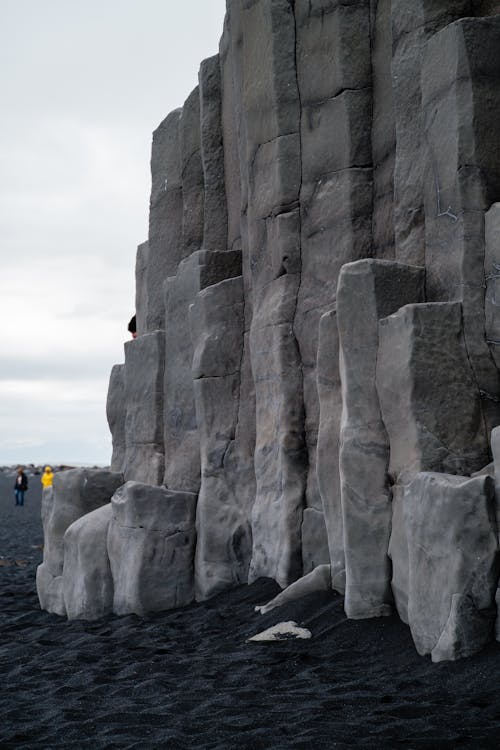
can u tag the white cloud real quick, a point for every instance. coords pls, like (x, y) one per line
(83, 87)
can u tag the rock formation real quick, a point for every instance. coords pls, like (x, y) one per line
(317, 369)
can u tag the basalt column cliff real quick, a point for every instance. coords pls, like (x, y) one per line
(315, 380)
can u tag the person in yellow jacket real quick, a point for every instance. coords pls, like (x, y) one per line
(47, 477)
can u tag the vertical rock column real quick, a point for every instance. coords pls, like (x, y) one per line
(271, 114)
(383, 129)
(334, 221)
(367, 291)
(492, 277)
(212, 156)
(461, 111)
(192, 176)
(181, 438)
(431, 408)
(159, 258)
(116, 409)
(328, 470)
(223, 522)
(144, 364)
(413, 23)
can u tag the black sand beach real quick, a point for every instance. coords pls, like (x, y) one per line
(188, 679)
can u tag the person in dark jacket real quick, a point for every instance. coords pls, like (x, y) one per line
(132, 327)
(20, 486)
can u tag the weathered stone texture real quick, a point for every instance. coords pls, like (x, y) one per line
(327, 457)
(141, 288)
(429, 399)
(150, 542)
(383, 139)
(116, 410)
(144, 363)
(224, 535)
(87, 583)
(453, 563)
(75, 493)
(413, 23)
(492, 279)
(165, 248)
(367, 291)
(334, 81)
(193, 196)
(461, 110)
(181, 439)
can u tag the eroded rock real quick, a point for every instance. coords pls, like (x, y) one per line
(87, 583)
(150, 542)
(453, 563)
(367, 291)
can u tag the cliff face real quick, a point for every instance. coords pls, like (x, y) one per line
(314, 332)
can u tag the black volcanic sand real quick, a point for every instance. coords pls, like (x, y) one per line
(188, 679)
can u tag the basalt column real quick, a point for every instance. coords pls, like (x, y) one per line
(271, 110)
(461, 111)
(335, 217)
(368, 290)
(413, 23)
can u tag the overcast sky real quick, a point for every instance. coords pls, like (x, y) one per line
(83, 84)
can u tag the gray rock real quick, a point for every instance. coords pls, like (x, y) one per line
(314, 540)
(116, 409)
(383, 129)
(224, 535)
(335, 213)
(327, 457)
(212, 156)
(75, 493)
(495, 449)
(141, 288)
(230, 65)
(333, 47)
(165, 248)
(144, 365)
(492, 277)
(192, 175)
(398, 553)
(453, 563)
(367, 291)
(181, 439)
(87, 584)
(461, 110)
(49, 590)
(434, 421)
(318, 579)
(151, 541)
(413, 23)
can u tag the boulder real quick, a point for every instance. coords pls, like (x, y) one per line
(75, 493)
(150, 542)
(87, 584)
(453, 563)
